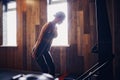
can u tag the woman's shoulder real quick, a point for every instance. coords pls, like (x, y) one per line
(51, 25)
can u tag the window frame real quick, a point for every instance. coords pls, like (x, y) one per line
(6, 10)
(67, 42)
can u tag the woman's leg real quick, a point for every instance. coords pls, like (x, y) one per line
(42, 63)
(50, 62)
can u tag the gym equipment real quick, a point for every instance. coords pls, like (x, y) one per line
(94, 69)
(43, 76)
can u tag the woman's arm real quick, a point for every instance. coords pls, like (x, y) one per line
(55, 32)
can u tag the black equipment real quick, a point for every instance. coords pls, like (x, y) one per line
(104, 40)
(94, 69)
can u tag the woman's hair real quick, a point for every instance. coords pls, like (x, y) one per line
(60, 15)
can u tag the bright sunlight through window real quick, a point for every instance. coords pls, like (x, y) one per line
(9, 25)
(62, 39)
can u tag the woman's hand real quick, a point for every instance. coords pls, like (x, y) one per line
(34, 50)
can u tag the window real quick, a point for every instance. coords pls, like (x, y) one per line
(9, 24)
(62, 39)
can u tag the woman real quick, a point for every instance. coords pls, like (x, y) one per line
(41, 50)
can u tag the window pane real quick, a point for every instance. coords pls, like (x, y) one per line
(4, 28)
(62, 39)
(9, 25)
(12, 5)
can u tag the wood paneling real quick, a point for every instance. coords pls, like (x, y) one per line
(86, 17)
(80, 31)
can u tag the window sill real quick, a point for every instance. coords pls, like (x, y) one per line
(65, 45)
(8, 46)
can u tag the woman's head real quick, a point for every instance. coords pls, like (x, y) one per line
(59, 17)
